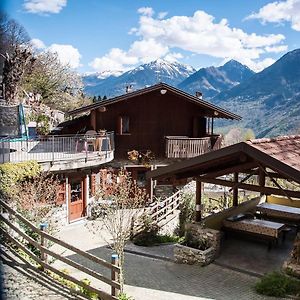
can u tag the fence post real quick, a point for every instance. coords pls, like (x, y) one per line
(53, 148)
(114, 275)
(43, 227)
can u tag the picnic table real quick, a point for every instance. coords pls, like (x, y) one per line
(262, 229)
(280, 211)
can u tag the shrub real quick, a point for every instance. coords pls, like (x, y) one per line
(148, 235)
(190, 241)
(123, 296)
(187, 210)
(13, 173)
(278, 285)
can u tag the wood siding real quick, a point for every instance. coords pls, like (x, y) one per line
(152, 117)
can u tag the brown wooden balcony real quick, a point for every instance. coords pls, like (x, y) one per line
(185, 147)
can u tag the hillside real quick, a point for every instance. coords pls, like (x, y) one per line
(269, 101)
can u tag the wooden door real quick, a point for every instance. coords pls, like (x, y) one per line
(76, 198)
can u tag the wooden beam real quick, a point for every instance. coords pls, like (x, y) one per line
(198, 201)
(235, 190)
(239, 168)
(261, 177)
(255, 188)
(276, 183)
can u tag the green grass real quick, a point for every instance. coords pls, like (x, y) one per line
(277, 284)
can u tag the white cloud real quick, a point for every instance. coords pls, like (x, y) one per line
(147, 50)
(37, 44)
(162, 14)
(278, 12)
(261, 64)
(196, 34)
(146, 11)
(173, 56)
(115, 60)
(276, 49)
(44, 6)
(67, 54)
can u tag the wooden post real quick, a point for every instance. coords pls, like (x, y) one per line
(261, 178)
(43, 227)
(235, 190)
(198, 200)
(114, 275)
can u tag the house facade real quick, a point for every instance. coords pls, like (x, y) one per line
(75, 158)
(154, 127)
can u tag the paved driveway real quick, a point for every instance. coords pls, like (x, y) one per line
(153, 279)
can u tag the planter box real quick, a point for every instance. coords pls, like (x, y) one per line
(188, 255)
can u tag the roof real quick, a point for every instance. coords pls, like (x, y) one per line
(281, 154)
(218, 112)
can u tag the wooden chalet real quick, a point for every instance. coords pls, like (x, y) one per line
(153, 127)
(271, 159)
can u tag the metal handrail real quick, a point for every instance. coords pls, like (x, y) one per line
(52, 148)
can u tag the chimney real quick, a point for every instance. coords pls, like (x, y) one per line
(199, 95)
(129, 88)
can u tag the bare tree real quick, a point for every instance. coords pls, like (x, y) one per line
(36, 198)
(120, 200)
(56, 84)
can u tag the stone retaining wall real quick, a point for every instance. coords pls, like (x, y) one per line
(184, 254)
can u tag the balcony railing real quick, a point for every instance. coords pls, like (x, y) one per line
(185, 147)
(54, 148)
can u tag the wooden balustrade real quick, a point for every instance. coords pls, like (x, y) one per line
(185, 147)
(9, 226)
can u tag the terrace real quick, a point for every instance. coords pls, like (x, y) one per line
(60, 152)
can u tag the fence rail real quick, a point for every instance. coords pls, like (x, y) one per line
(185, 147)
(158, 212)
(53, 148)
(44, 251)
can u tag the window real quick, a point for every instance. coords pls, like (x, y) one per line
(123, 125)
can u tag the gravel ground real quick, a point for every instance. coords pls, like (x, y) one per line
(20, 281)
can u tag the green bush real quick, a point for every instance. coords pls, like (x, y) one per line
(152, 239)
(12, 173)
(277, 285)
(123, 296)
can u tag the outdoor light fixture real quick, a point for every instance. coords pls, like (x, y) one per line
(216, 113)
(163, 91)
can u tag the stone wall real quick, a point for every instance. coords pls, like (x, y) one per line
(189, 255)
(292, 265)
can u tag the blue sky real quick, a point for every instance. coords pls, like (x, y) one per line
(100, 35)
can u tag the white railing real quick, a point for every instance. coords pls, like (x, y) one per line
(53, 148)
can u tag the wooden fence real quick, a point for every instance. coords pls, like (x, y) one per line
(159, 211)
(41, 260)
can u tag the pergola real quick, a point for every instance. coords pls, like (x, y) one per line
(277, 158)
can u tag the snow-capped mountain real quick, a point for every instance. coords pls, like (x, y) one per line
(147, 74)
(213, 80)
(92, 79)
